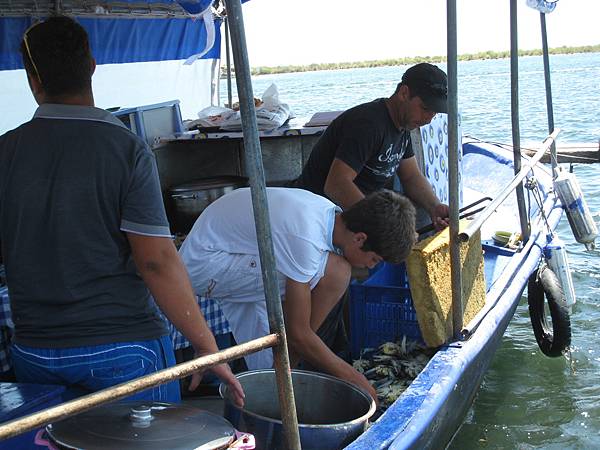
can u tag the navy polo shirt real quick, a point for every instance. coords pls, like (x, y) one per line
(72, 181)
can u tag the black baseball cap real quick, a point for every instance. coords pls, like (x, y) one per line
(430, 84)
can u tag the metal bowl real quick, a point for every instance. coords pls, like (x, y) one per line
(190, 199)
(331, 412)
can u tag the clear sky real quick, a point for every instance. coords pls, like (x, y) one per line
(281, 32)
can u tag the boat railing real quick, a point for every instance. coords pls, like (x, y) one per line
(516, 181)
(456, 237)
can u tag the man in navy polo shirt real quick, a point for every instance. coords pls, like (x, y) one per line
(85, 239)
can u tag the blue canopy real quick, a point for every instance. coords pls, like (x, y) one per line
(119, 31)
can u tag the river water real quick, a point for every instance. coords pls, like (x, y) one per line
(526, 400)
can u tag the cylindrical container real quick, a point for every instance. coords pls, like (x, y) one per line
(556, 257)
(579, 216)
(190, 199)
(331, 413)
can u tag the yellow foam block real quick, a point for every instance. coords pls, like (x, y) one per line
(428, 267)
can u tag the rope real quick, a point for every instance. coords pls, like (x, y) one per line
(532, 186)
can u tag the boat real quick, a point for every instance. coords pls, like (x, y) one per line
(432, 408)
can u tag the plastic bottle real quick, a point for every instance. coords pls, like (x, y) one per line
(556, 257)
(543, 6)
(581, 221)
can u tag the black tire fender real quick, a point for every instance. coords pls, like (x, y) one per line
(544, 286)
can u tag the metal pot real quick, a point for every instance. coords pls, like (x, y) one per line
(139, 425)
(190, 199)
(331, 413)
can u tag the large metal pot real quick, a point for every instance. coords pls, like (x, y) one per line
(190, 199)
(142, 426)
(331, 413)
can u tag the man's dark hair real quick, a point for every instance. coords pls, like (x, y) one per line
(388, 220)
(57, 52)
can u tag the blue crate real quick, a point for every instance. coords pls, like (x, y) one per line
(381, 309)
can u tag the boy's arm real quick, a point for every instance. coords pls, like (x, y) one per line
(304, 342)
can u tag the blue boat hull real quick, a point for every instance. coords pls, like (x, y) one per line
(430, 411)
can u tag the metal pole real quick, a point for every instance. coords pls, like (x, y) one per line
(549, 107)
(514, 109)
(122, 390)
(455, 263)
(228, 59)
(515, 182)
(255, 170)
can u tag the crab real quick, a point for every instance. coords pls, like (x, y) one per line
(390, 393)
(362, 365)
(390, 348)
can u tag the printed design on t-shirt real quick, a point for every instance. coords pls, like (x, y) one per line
(388, 160)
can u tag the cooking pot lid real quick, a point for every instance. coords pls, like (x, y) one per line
(139, 425)
(210, 183)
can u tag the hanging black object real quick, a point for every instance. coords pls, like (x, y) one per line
(543, 287)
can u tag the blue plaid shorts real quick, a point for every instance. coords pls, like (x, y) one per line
(214, 318)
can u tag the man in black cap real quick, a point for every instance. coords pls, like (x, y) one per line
(365, 146)
(362, 149)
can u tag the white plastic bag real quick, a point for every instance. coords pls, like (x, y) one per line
(271, 114)
(209, 117)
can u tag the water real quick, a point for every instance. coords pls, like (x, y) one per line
(526, 400)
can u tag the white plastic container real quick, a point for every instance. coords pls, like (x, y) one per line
(556, 258)
(579, 216)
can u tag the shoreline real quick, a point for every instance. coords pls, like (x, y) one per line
(264, 70)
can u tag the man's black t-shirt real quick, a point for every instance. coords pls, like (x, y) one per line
(365, 138)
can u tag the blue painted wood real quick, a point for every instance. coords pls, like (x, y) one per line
(20, 399)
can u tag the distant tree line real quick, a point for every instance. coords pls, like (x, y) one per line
(411, 60)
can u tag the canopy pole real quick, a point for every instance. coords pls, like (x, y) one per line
(514, 109)
(453, 187)
(549, 107)
(255, 170)
(228, 63)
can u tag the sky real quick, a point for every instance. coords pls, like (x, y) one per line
(282, 32)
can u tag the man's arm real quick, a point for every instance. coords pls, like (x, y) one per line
(163, 271)
(305, 343)
(339, 185)
(417, 188)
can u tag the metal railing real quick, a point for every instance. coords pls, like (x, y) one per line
(468, 329)
(520, 172)
(453, 186)
(515, 182)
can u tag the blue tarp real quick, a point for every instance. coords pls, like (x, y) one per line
(121, 40)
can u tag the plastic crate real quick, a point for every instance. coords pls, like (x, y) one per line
(151, 122)
(381, 309)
